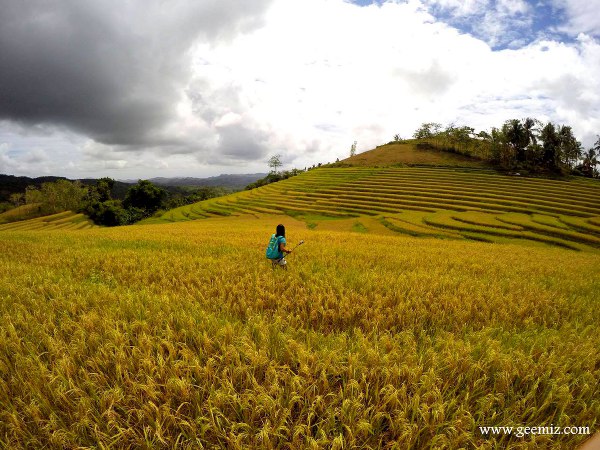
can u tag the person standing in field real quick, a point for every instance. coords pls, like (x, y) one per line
(276, 250)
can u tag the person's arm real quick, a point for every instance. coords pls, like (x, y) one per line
(283, 249)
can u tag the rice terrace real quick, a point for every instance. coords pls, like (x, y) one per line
(434, 297)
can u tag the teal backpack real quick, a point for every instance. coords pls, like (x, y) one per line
(273, 248)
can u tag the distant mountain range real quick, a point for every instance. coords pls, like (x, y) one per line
(11, 184)
(233, 181)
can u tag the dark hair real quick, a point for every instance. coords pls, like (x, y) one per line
(280, 231)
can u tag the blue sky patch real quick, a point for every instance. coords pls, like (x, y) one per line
(493, 21)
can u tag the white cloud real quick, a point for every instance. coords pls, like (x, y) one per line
(228, 119)
(7, 164)
(384, 70)
(36, 156)
(320, 74)
(12, 162)
(460, 8)
(583, 16)
(498, 22)
(513, 7)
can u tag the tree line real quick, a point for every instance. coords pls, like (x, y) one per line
(519, 144)
(141, 200)
(274, 174)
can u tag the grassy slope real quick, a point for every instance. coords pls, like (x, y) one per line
(410, 153)
(23, 212)
(167, 336)
(66, 220)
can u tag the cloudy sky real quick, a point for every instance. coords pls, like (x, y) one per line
(144, 88)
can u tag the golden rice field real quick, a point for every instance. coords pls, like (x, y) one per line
(22, 212)
(65, 220)
(452, 203)
(181, 335)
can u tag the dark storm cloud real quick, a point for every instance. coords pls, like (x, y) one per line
(240, 143)
(209, 102)
(111, 70)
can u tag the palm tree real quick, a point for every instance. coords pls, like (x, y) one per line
(551, 144)
(517, 138)
(589, 162)
(570, 147)
(531, 130)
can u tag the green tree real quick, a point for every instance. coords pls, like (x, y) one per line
(145, 196)
(570, 148)
(484, 135)
(485, 145)
(353, 149)
(275, 163)
(104, 187)
(427, 130)
(109, 213)
(33, 195)
(596, 149)
(535, 154)
(551, 145)
(64, 195)
(531, 130)
(53, 197)
(590, 161)
(17, 199)
(517, 137)
(463, 136)
(501, 152)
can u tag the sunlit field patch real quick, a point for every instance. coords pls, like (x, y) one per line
(62, 220)
(181, 335)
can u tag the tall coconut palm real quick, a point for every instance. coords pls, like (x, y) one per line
(570, 147)
(590, 161)
(551, 145)
(517, 138)
(531, 131)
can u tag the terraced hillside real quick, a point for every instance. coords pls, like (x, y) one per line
(22, 212)
(446, 202)
(66, 220)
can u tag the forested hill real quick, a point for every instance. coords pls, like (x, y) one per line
(11, 184)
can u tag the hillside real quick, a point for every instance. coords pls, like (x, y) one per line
(66, 220)
(23, 212)
(231, 181)
(446, 202)
(410, 153)
(11, 184)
